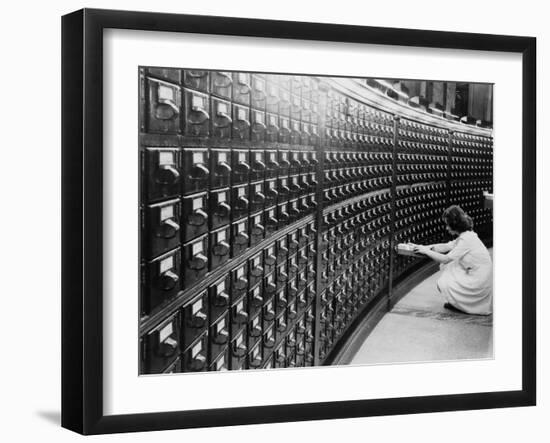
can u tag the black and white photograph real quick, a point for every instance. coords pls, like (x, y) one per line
(298, 220)
(249, 222)
(268, 221)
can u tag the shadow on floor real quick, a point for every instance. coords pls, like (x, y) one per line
(54, 417)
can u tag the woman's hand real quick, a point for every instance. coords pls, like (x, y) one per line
(428, 251)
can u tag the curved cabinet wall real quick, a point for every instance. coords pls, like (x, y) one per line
(270, 208)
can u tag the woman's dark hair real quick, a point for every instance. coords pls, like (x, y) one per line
(455, 217)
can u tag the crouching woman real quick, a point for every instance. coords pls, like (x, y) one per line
(466, 280)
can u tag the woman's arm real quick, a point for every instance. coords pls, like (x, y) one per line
(442, 248)
(440, 258)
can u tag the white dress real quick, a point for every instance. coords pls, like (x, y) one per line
(467, 281)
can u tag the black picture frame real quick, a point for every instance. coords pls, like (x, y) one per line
(82, 232)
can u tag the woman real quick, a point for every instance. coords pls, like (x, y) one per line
(467, 277)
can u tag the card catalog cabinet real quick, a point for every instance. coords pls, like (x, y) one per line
(270, 207)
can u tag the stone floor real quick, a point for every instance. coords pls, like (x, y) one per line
(418, 328)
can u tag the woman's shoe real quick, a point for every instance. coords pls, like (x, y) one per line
(450, 307)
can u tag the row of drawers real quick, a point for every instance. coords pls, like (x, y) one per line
(423, 138)
(347, 174)
(414, 206)
(340, 192)
(183, 267)
(472, 161)
(338, 138)
(171, 109)
(414, 131)
(421, 168)
(481, 146)
(472, 153)
(255, 89)
(240, 211)
(276, 92)
(363, 209)
(339, 159)
(420, 192)
(168, 172)
(421, 148)
(418, 197)
(463, 173)
(233, 105)
(342, 109)
(426, 159)
(467, 186)
(410, 127)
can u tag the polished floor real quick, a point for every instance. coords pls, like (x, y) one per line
(418, 328)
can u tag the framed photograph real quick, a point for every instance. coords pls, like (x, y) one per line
(270, 221)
